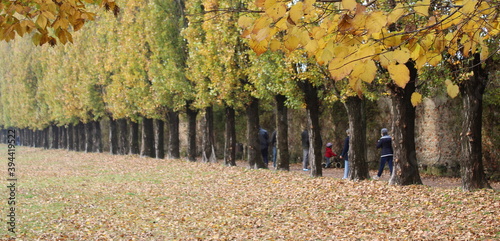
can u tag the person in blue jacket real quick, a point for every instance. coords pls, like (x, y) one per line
(264, 144)
(385, 143)
(344, 155)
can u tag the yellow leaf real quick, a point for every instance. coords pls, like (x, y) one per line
(339, 69)
(452, 90)
(245, 22)
(415, 54)
(416, 98)
(484, 52)
(422, 7)
(41, 21)
(259, 47)
(312, 47)
(269, 3)
(400, 74)
(434, 59)
(297, 12)
(469, 6)
(369, 73)
(261, 23)
(275, 45)
(396, 13)
(375, 22)
(349, 4)
(420, 62)
(324, 56)
(387, 59)
(277, 11)
(291, 43)
(260, 3)
(281, 24)
(402, 55)
(262, 34)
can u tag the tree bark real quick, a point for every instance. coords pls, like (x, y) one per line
(191, 138)
(230, 138)
(81, 136)
(54, 143)
(405, 171)
(113, 137)
(173, 135)
(97, 143)
(254, 156)
(315, 142)
(358, 166)
(88, 137)
(159, 129)
(472, 90)
(283, 157)
(133, 137)
(70, 136)
(122, 136)
(147, 138)
(45, 134)
(207, 139)
(64, 137)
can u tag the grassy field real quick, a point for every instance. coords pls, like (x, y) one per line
(64, 195)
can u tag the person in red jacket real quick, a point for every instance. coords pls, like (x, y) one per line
(329, 154)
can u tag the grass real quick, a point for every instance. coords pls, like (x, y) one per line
(76, 196)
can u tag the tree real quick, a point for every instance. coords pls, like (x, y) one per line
(49, 21)
(353, 39)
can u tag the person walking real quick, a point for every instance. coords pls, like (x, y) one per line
(385, 143)
(345, 155)
(264, 144)
(305, 150)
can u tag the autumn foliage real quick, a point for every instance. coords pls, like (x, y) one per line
(353, 40)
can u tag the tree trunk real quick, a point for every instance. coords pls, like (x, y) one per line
(191, 138)
(147, 138)
(254, 156)
(64, 137)
(46, 144)
(472, 90)
(54, 143)
(133, 137)
(97, 143)
(173, 135)
(81, 135)
(70, 136)
(230, 138)
(34, 137)
(113, 137)
(283, 157)
(207, 142)
(122, 136)
(358, 166)
(315, 142)
(405, 171)
(88, 137)
(159, 129)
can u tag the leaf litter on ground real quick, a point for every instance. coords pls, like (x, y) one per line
(93, 196)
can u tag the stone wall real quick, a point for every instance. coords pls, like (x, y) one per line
(437, 135)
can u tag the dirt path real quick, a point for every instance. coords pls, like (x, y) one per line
(433, 181)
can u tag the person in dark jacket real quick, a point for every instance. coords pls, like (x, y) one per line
(385, 143)
(264, 144)
(305, 150)
(345, 155)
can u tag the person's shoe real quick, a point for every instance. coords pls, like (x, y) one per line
(375, 177)
(305, 169)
